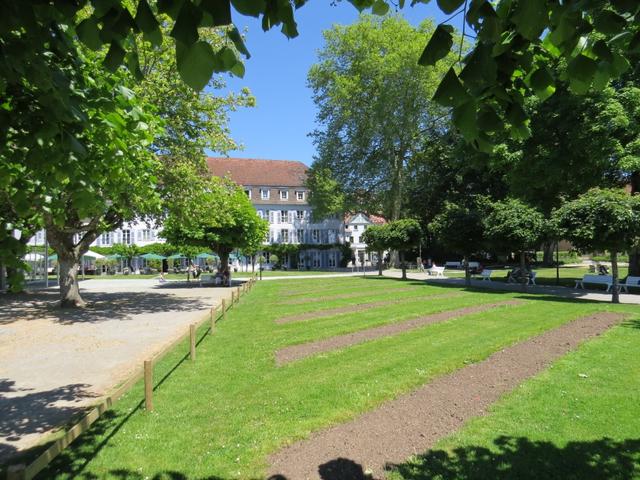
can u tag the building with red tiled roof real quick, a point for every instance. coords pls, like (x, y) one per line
(277, 189)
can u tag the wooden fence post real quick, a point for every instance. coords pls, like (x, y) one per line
(224, 309)
(148, 385)
(192, 341)
(213, 319)
(238, 295)
(233, 297)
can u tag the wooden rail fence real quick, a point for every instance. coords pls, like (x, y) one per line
(27, 472)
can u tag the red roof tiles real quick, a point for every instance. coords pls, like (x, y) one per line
(258, 172)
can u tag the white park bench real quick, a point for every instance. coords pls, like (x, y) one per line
(473, 265)
(595, 279)
(486, 274)
(453, 264)
(436, 271)
(633, 282)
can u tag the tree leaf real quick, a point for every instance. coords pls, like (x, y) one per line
(542, 82)
(89, 33)
(185, 29)
(582, 68)
(380, 7)
(480, 68)
(450, 92)
(465, 119)
(609, 22)
(449, 6)
(220, 11)
(114, 56)
(170, 7)
(196, 63)
(236, 38)
(252, 8)
(148, 24)
(530, 18)
(438, 47)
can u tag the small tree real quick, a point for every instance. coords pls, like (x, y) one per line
(402, 235)
(214, 213)
(375, 238)
(459, 228)
(602, 219)
(514, 226)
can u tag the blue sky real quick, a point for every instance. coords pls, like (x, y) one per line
(278, 127)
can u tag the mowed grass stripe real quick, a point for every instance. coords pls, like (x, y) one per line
(314, 287)
(414, 422)
(359, 307)
(576, 420)
(297, 352)
(341, 296)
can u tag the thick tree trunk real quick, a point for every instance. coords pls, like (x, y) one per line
(68, 264)
(615, 293)
(467, 272)
(3, 278)
(403, 265)
(524, 278)
(380, 263)
(396, 201)
(224, 262)
(547, 252)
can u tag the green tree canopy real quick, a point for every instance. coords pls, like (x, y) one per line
(599, 220)
(513, 226)
(375, 236)
(214, 213)
(459, 228)
(402, 235)
(374, 105)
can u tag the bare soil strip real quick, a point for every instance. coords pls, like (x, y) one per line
(341, 296)
(297, 352)
(414, 422)
(358, 307)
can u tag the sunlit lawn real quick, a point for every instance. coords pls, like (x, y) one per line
(221, 416)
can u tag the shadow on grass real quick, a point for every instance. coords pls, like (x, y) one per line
(524, 459)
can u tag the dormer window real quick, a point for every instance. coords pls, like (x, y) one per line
(284, 194)
(300, 196)
(264, 193)
(248, 192)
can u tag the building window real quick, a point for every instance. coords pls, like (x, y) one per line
(300, 196)
(260, 213)
(355, 227)
(332, 259)
(284, 194)
(299, 214)
(126, 237)
(264, 193)
(106, 238)
(315, 236)
(248, 192)
(147, 235)
(284, 235)
(316, 259)
(300, 235)
(271, 216)
(284, 216)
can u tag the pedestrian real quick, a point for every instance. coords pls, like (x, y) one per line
(164, 270)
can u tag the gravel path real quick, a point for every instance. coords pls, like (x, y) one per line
(329, 312)
(55, 363)
(414, 422)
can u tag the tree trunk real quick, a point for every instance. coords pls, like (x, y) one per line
(404, 266)
(380, 263)
(524, 277)
(467, 272)
(615, 293)
(634, 254)
(3, 278)
(547, 252)
(68, 264)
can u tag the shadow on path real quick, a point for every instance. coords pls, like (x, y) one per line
(100, 306)
(43, 413)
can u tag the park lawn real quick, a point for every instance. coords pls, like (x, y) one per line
(224, 414)
(183, 276)
(580, 419)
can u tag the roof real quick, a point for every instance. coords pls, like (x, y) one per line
(375, 219)
(259, 172)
